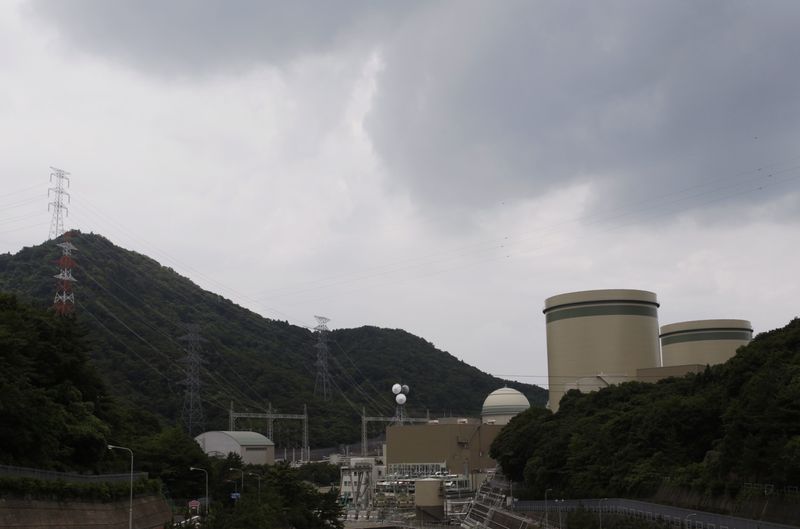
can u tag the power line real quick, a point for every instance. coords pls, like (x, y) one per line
(153, 310)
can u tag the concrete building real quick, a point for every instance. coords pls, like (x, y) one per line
(704, 342)
(254, 448)
(596, 338)
(359, 476)
(503, 404)
(457, 445)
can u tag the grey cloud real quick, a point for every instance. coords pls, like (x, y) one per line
(205, 37)
(482, 102)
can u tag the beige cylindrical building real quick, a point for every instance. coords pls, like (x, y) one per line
(704, 342)
(599, 337)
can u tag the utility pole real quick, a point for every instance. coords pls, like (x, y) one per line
(323, 381)
(64, 300)
(57, 222)
(192, 413)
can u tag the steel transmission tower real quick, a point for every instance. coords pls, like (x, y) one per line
(64, 301)
(57, 222)
(322, 384)
(192, 413)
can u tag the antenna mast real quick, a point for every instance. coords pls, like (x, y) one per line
(57, 222)
(323, 381)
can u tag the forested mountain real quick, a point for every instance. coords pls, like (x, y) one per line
(711, 432)
(135, 310)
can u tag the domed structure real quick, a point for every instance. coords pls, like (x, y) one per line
(503, 404)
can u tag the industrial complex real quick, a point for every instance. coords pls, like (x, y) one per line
(432, 466)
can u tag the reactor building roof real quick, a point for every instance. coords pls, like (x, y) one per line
(504, 402)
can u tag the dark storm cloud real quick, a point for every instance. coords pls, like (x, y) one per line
(488, 101)
(482, 102)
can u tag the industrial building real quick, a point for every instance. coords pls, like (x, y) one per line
(452, 445)
(252, 447)
(597, 338)
(703, 341)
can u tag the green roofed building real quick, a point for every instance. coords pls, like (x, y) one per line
(254, 448)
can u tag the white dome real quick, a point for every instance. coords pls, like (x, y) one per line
(504, 402)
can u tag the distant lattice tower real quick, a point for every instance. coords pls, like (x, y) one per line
(192, 413)
(64, 301)
(58, 177)
(322, 383)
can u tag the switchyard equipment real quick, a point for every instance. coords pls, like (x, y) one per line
(270, 417)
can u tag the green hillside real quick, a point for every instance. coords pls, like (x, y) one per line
(710, 433)
(135, 311)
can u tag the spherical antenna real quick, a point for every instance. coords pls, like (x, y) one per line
(405, 389)
(397, 388)
(400, 399)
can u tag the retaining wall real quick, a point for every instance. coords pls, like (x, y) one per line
(149, 512)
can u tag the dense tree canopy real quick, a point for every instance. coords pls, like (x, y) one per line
(48, 390)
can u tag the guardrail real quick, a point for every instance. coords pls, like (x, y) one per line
(674, 517)
(74, 477)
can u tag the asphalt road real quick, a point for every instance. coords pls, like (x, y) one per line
(677, 517)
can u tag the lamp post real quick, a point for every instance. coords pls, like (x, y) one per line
(600, 510)
(208, 500)
(130, 501)
(258, 477)
(686, 520)
(558, 505)
(242, 471)
(545, 508)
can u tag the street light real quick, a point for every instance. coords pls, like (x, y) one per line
(208, 500)
(130, 501)
(258, 477)
(242, 471)
(545, 508)
(600, 510)
(558, 504)
(687, 518)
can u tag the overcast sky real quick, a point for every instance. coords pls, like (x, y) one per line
(440, 167)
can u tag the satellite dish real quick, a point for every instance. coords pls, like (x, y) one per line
(400, 399)
(397, 388)
(405, 389)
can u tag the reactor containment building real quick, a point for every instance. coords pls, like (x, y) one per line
(597, 338)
